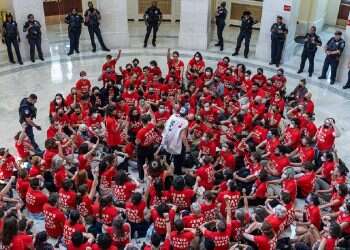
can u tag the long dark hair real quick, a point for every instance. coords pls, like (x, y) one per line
(10, 230)
(118, 227)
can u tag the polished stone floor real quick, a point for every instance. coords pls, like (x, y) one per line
(59, 72)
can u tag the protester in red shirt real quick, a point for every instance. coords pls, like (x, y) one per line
(54, 217)
(72, 225)
(180, 238)
(35, 199)
(135, 213)
(83, 85)
(120, 231)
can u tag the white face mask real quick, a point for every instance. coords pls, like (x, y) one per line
(206, 108)
(207, 73)
(224, 149)
(83, 77)
(94, 116)
(161, 110)
(197, 58)
(58, 101)
(204, 138)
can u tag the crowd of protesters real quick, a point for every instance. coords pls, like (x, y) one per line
(255, 170)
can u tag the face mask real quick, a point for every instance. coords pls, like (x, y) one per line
(207, 73)
(342, 209)
(58, 101)
(224, 149)
(83, 77)
(206, 108)
(161, 110)
(197, 58)
(204, 138)
(94, 116)
(130, 91)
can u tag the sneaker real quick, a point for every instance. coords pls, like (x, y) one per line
(299, 71)
(221, 48)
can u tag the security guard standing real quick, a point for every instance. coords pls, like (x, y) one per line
(74, 21)
(27, 113)
(10, 36)
(220, 17)
(153, 17)
(33, 27)
(311, 42)
(247, 23)
(334, 48)
(279, 33)
(92, 21)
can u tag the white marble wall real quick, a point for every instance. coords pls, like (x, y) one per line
(114, 23)
(195, 24)
(21, 9)
(343, 70)
(272, 9)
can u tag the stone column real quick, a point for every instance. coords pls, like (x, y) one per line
(343, 69)
(114, 23)
(289, 10)
(21, 9)
(195, 24)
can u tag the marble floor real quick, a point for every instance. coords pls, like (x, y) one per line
(59, 73)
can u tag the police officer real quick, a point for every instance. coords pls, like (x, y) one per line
(279, 33)
(153, 18)
(220, 17)
(10, 36)
(33, 27)
(74, 21)
(311, 41)
(334, 48)
(92, 21)
(27, 114)
(247, 23)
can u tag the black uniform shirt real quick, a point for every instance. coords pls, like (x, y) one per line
(221, 14)
(334, 45)
(74, 21)
(312, 41)
(10, 29)
(153, 15)
(247, 24)
(34, 31)
(26, 110)
(93, 16)
(278, 31)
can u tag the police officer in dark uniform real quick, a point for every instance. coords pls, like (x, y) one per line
(247, 23)
(311, 42)
(74, 21)
(27, 113)
(279, 33)
(220, 17)
(334, 49)
(153, 18)
(10, 36)
(33, 27)
(92, 21)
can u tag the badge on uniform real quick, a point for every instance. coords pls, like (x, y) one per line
(26, 111)
(156, 12)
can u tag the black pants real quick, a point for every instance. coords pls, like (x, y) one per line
(74, 36)
(348, 82)
(143, 154)
(220, 29)
(333, 62)
(96, 30)
(30, 134)
(310, 55)
(246, 36)
(150, 27)
(276, 50)
(35, 42)
(13, 41)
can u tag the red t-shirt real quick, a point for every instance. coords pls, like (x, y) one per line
(107, 177)
(54, 220)
(233, 197)
(313, 215)
(147, 135)
(209, 211)
(69, 230)
(67, 199)
(83, 246)
(264, 243)
(221, 239)
(20, 242)
(206, 173)
(123, 193)
(135, 213)
(22, 187)
(35, 200)
(325, 138)
(120, 240)
(112, 132)
(182, 199)
(306, 183)
(181, 241)
(159, 222)
(193, 221)
(85, 206)
(83, 85)
(7, 167)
